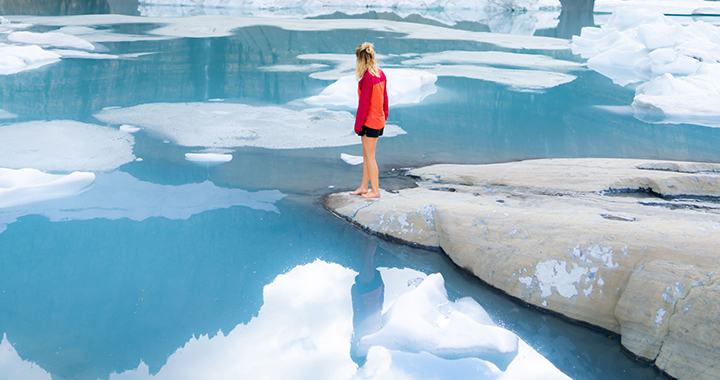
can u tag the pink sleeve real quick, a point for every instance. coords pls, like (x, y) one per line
(365, 86)
(385, 103)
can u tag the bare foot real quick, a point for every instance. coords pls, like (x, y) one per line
(371, 195)
(359, 191)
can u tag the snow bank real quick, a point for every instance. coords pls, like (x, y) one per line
(53, 39)
(64, 145)
(13, 367)
(228, 125)
(14, 59)
(668, 7)
(403, 87)
(119, 195)
(678, 63)
(23, 186)
(304, 328)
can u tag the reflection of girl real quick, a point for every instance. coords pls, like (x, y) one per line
(368, 294)
(371, 116)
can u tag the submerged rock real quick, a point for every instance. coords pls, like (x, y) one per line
(626, 245)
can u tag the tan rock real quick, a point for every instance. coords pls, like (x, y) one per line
(545, 231)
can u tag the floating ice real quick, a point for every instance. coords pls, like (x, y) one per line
(519, 80)
(227, 125)
(23, 186)
(403, 87)
(129, 128)
(352, 160)
(6, 115)
(496, 58)
(14, 59)
(64, 145)
(425, 320)
(304, 327)
(669, 7)
(223, 26)
(119, 195)
(407, 4)
(293, 68)
(679, 64)
(13, 367)
(83, 54)
(210, 159)
(50, 39)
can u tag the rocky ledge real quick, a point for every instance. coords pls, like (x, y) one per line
(630, 246)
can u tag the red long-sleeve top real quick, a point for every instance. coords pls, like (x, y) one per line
(373, 104)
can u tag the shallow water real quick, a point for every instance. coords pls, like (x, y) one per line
(162, 250)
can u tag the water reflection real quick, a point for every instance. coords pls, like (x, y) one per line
(368, 294)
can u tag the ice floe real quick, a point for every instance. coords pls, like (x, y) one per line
(669, 7)
(51, 39)
(223, 26)
(118, 195)
(404, 86)
(129, 128)
(677, 65)
(14, 59)
(6, 115)
(350, 159)
(496, 58)
(304, 329)
(209, 159)
(417, 4)
(12, 366)
(519, 80)
(228, 125)
(64, 146)
(23, 186)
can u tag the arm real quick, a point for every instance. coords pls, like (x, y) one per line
(364, 102)
(385, 102)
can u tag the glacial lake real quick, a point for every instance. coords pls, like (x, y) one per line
(162, 255)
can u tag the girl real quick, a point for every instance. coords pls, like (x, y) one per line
(371, 116)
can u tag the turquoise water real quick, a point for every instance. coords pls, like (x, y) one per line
(132, 269)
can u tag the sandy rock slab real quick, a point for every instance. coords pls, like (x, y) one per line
(631, 246)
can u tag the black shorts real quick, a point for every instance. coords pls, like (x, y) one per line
(369, 132)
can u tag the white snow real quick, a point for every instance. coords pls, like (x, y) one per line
(404, 86)
(659, 316)
(14, 59)
(23, 186)
(53, 39)
(63, 145)
(119, 195)
(668, 7)
(556, 274)
(129, 128)
(208, 158)
(227, 125)
(352, 160)
(304, 329)
(12, 366)
(677, 65)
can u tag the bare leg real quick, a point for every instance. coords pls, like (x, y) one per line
(363, 189)
(369, 144)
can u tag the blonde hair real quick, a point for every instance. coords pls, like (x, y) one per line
(366, 60)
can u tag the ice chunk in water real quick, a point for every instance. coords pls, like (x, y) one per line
(129, 128)
(51, 39)
(23, 186)
(228, 125)
(425, 320)
(64, 145)
(404, 86)
(13, 367)
(352, 160)
(210, 159)
(14, 59)
(6, 115)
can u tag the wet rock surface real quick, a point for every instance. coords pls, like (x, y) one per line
(629, 246)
